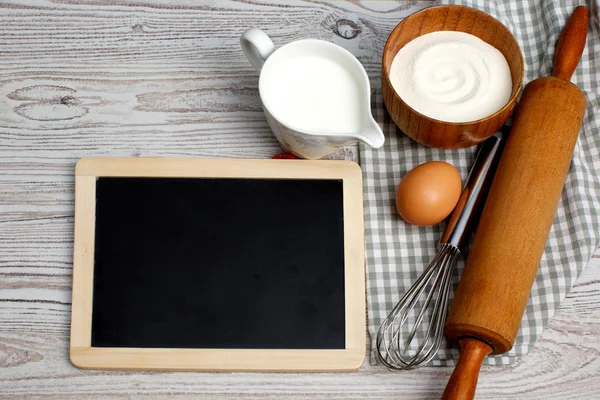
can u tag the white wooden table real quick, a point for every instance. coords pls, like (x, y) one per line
(167, 78)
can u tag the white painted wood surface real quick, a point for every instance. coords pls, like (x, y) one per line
(167, 78)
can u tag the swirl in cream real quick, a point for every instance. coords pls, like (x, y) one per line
(451, 76)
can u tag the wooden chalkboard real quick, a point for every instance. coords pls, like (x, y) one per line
(218, 265)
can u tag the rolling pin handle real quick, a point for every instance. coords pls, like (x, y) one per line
(571, 43)
(463, 381)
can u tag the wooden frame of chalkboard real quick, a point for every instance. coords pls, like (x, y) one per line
(84, 355)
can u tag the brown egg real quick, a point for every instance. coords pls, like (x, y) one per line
(428, 193)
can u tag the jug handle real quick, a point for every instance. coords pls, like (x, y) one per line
(257, 46)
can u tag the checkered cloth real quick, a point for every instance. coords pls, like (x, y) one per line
(397, 253)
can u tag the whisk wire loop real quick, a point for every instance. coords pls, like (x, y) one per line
(398, 350)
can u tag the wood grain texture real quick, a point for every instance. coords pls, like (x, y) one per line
(571, 44)
(513, 229)
(518, 214)
(430, 131)
(167, 78)
(463, 381)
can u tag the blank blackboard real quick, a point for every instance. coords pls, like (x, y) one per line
(218, 265)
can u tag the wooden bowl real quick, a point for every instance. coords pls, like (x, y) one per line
(432, 132)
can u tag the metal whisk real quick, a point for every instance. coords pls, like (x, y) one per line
(411, 335)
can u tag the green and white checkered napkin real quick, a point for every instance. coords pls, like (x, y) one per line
(397, 253)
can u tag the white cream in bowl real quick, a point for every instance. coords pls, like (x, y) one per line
(451, 76)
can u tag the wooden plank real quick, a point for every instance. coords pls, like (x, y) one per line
(83, 256)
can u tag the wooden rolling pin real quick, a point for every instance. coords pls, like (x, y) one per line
(514, 226)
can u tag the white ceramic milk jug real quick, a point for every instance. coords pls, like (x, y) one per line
(316, 95)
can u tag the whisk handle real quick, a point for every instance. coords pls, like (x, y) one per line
(463, 382)
(470, 204)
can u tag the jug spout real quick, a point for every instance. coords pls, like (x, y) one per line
(371, 134)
